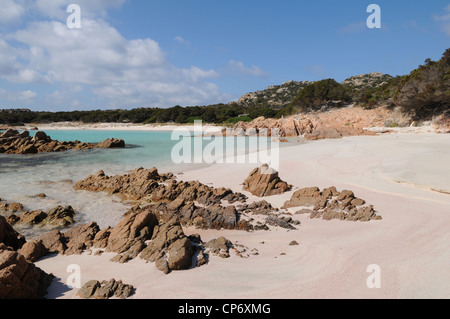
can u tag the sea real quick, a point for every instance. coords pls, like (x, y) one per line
(54, 174)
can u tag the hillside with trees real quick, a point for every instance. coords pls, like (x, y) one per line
(422, 94)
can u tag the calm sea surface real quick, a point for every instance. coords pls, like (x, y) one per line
(22, 176)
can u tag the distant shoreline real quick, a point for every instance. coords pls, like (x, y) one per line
(69, 126)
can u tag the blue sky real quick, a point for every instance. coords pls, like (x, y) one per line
(154, 53)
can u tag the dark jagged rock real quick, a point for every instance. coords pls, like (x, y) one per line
(58, 217)
(9, 237)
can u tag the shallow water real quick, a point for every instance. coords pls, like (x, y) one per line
(23, 176)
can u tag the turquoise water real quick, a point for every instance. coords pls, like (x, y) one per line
(22, 176)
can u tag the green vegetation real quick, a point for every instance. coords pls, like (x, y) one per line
(316, 95)
(422, 93)
(216, 114)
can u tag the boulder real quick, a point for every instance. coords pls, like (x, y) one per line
(60, 217)
(105, 290)
(20, 279)
(33, 251)
(264, 181)
(135, 227)
(80, 238)
(9, 237)
(54, 242)
(169, 248)
(219, 247)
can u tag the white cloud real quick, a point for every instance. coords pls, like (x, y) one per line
(181, 40)
(444, 20)
(22, 96)
(117, 71)
(10, 11)
(354, 27)
(238, 68)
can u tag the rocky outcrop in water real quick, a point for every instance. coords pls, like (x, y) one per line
(15, 142)
(265, 181)
(58, 217)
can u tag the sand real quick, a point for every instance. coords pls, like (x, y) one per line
(62, 126)
(405, 176)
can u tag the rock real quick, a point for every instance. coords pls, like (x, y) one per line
(54, 241)
(41, 136)
(60, 216)
(88, 289)
(284, 222)
(42, 195)
(264, 181)
(20, 279)
(33, 251)
(9, 237)
(80, 238)
(310, 196)
(111, 143)
(105, 290)
(35, 217)
(169, 248)
(293, 243)
(135, 227)
(331, 204)
(13, 142)
(15, 207)
(346, 194)
(219, 247)
(101, 238)
(9, 133)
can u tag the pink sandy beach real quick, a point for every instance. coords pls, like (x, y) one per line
(405, 176)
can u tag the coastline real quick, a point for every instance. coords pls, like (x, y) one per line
(118, 127)
(410, 244)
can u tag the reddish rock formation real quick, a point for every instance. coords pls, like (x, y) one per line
(105, 290)
(13, 142)
(333, 124)
(9, 237)
(147, 185)
(169, 248)
(331, 204)
(264, 181)
(58, 217)
(20, 279)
